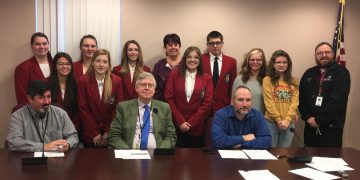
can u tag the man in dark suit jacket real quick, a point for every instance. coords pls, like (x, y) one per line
(224, 68)
(129, 122)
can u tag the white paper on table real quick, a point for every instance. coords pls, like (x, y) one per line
(313, 174)
(329, 167)
(49, 154)
(235, 154)
(258, 174)
(328, 160)
(259, 154)
(327, 164)
(132, 154)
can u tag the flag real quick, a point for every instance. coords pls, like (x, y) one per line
(338, 42)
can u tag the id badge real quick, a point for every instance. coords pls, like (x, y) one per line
(318, 101)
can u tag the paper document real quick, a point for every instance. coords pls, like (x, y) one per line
(258, 175)
(313, 174)
(49, 154)
(259, 154)
(328, 160)
(328, 164)
(132, 154)
(329, 167)
(235, 154)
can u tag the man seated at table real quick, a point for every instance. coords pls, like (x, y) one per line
(240, 126)
(39, 122)
(142, 123)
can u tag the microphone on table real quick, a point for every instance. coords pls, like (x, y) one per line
(163, 151)
(42, 159)
(303, 158)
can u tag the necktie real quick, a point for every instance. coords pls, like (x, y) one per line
(215, 72)
(145, 129)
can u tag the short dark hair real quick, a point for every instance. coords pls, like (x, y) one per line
(171, 38)
(240, 87)
(38, 34)
(37, 87)
(323, 43)
(214, 34)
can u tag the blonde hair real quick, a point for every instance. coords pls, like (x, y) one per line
(107, 79)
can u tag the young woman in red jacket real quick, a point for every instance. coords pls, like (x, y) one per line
(131, 66)
(98, 95)
(189, 93)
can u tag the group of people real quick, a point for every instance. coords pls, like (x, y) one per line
(61, 103)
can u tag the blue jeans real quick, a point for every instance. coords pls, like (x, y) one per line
(280, 138)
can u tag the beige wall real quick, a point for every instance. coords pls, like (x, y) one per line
(17, 24)
(295, 26)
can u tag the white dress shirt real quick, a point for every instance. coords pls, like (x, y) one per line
(132, 71)
(212, 60)
(45, 69)
(189, 84)
(101, 87)
(139, 124)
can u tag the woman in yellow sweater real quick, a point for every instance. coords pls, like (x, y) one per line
(281, 97)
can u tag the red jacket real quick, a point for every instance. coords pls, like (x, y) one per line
(72, 113)
(129, 87)
(222, 91)
(96, 116)
(26, 72)
(198, 109)
(78, 69)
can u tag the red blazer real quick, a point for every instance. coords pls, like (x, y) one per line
(73, 115)
(96, 116)
(222, 91)
(198, 109)
(26, 72)
(129, 87)
(78, 69)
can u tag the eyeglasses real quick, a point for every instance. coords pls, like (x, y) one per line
(63, 64)
(215, 43)
(281, 62)
(326, 53)
(147, 85)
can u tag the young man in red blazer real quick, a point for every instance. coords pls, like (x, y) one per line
(224, 67)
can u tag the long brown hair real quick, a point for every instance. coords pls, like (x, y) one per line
(183, 61)
(125, 60)
(107, 79)
(274, 76)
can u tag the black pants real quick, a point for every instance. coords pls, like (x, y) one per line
(185, 140)
(329, 137)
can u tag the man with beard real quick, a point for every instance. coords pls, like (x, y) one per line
(324, 91)
(240, 126)
(40, 125)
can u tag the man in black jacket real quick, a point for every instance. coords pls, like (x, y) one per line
(324, 91)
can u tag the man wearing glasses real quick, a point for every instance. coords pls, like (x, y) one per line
(221, 67)
(142, 123)
(324, 91)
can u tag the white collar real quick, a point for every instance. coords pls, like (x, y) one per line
(190, 75)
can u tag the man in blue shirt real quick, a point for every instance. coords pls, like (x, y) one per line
(240, 126)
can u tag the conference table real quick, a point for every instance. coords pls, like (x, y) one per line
(185, 164)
